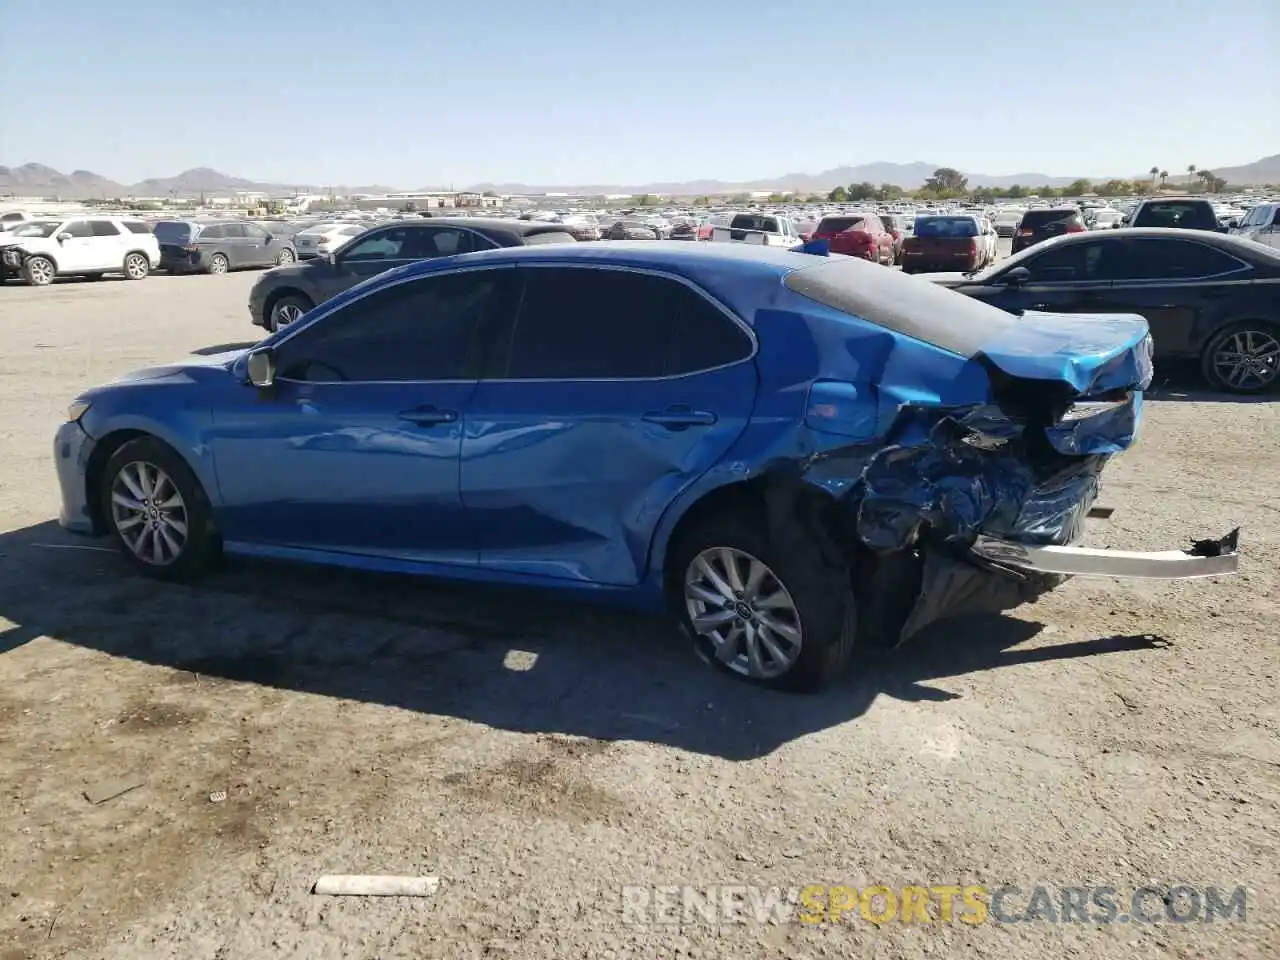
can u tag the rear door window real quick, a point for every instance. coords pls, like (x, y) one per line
(1167, 258)
(590, 324)
(104, 228)
(235, 231)
(214, 232)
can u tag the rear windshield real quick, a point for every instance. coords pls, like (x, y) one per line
(551, 236)
(1038, 218)
(750, 221)
(908, 305)
(173, 231)
(1186, 214)
(946, 227)
(839, 224)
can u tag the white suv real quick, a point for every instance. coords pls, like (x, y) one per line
(40, 250)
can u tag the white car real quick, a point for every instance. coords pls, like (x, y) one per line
(324, 239)
(38, 251)
(1261, 225)
(13, 218)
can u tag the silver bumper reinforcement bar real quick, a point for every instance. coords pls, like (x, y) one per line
(1205, 558)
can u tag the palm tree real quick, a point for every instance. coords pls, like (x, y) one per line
(1191, 172)
(1155, 172)
(1164, 176)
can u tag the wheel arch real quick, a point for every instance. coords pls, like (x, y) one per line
(786, 506)
(106, 446)
(47, 254)
(275, 296)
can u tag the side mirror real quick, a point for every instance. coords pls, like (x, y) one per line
(331, 258)
(1016, 277)
(64, 237)
(262, 368)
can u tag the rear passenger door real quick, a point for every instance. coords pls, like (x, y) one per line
(108, 245)
(613, 391)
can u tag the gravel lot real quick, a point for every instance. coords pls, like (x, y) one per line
(538, 757)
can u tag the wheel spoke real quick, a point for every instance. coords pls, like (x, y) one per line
(712, 619)
(729, 562)
(129, 503)
(727, 648)
(778, 600)
(710, 574)
(127, 478)
(754, 662)
(775, 651)
(756, 573)
(784, 630)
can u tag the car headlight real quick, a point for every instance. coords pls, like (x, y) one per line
(77, 410)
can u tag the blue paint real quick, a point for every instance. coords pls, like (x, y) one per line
(581, 484)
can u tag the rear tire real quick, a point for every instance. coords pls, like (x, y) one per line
(822, 612)
(157, 512)
(136, 266)
(285, 258)
(219, 264)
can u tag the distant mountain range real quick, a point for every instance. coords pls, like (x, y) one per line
(34, 179)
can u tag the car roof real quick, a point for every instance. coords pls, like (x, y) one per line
(676, 256)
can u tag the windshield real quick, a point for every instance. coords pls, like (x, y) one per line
(172, 231)
(36, 228)
(946, 227)
(1008, 263)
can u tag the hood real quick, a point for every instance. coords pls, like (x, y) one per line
(193, 367)
(294, 271)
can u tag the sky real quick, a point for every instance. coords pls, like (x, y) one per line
(561, 92)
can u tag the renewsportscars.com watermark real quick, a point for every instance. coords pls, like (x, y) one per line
(971, 904)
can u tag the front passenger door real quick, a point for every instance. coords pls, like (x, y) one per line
(355, 449)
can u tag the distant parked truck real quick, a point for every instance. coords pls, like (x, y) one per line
(759, 228)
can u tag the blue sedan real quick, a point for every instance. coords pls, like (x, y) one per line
(795, 455)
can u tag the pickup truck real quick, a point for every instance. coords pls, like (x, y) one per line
(759, 228)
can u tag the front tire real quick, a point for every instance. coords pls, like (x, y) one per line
(39, 271)
(287, 310)
(1243, 358)
(136, 266)
(779, 617)
(157, 512)
(285, 258)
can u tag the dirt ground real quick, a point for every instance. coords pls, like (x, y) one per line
(540, 758)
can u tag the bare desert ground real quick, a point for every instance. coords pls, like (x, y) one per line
(539, 758)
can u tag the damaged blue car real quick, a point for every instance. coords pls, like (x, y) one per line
(797, 456)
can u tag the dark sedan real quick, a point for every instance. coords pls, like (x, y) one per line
(1207, 297)
(219, 246)
(282, 296)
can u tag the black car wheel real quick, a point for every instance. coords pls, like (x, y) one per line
(157, 511)
(287, 310)
(774, 615)
(1243, 358)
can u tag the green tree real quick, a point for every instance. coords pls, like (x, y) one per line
(889, 191)
(1155, 172)
(1164, 178)
(1078, 188)
(862, 191)
(1015, 191)
(946, 181)
(838, 195)
(777, 198)
(1191, 172)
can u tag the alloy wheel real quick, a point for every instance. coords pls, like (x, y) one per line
(149, 513)
(285, 257)
(218, 264)
(136, 266)
(41, 270)
(1248, 359)
(741, 608)
(284, 314)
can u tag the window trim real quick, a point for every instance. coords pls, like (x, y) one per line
(296, 329)
(643, 271)
(1168, 281)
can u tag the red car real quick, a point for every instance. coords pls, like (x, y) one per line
(944, 244)
(857, 235)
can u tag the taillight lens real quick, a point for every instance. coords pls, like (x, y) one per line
(1025, 233)
(1075, 228)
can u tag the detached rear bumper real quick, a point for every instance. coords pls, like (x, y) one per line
(1205, 558)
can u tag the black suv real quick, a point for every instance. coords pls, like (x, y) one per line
(1038, 225)
(1185, 213)
(283, 295)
